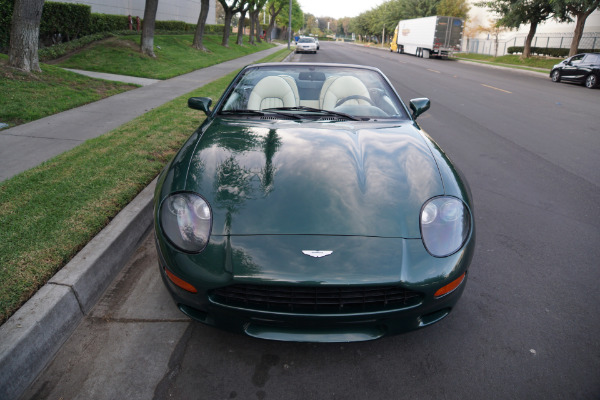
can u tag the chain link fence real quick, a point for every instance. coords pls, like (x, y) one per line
(589, 41)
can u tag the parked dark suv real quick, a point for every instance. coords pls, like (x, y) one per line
(581, 68)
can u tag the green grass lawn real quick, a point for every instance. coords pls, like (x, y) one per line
(512, 60)
(50, 212)
(174, 55)
(30, 96)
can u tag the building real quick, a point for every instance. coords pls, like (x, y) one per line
(548, 34)
(168, 10)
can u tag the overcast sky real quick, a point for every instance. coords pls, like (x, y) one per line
(337, 8)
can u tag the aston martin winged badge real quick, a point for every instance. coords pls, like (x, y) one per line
(317, 253)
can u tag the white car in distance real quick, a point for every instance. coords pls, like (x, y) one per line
(306, 45)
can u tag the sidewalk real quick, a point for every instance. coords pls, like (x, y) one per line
(26, 146)
(33, 335)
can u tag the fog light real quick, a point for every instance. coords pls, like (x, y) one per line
(450, 287)
(180, 282)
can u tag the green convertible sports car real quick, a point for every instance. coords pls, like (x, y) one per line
(310, 206)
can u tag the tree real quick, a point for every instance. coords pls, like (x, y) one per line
(24, 35)
(219, 13)
(454, 8)
(418, 8)
(343, 24)
(310, 23)
(274, 7)
(332, 25)
(253, 16)
(242, 23)
(580, 9)
(513, 13)
(254, 20)
(147, 42)
(359, 25)
(297, 18)
(495, 29)
(229, 9)
(199, 35)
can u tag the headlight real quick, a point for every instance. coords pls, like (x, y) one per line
(186, 220)
(445, 223)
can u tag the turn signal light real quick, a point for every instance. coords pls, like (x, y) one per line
(450, 287)
(180, 282)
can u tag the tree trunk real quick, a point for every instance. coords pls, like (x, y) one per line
(257, 30)
(24, 35)
(226, 27)
(273, 15)
(199, 35)
(528, 40)
(147, 45)
(577, 33)
(241, 23)
(252, 33)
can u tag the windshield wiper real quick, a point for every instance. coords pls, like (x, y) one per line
(260, 113)
(276, 110)
(317, 110)
(241, 112)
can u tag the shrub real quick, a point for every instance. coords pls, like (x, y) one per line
(174, 26)
(6, 7)
(67, 19)
(107, 23)
(214, 29)
(547, 51)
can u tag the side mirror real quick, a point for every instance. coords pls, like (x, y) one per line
(200, 103)
(419, 106)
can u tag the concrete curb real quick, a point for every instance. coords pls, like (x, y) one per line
(33, 335)
(542, 74)
(289, 56)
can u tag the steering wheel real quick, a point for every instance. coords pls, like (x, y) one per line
(354, 97)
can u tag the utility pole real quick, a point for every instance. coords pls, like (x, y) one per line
(290, 26)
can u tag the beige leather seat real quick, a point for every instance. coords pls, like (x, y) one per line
(270, 92)
(294, 87)
(337, 88)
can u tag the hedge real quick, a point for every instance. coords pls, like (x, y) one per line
(108, 23)
(68, 20)
(62, 23)
(6, 7)
(547, 51)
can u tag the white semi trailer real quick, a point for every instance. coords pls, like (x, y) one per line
(428, 37)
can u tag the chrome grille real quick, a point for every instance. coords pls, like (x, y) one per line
(316, 299)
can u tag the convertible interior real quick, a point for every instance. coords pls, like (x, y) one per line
(337, 91)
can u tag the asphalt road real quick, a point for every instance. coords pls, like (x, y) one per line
(526, 327)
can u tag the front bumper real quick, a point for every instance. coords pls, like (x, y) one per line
(339, 326)
(320, 328)
(305, 49)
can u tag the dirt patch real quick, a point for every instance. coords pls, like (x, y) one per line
(124, 43)
(8, 72)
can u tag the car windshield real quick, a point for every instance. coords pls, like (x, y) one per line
(312, 91)
(306, 40)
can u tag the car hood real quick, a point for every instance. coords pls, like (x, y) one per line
(311, 178)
